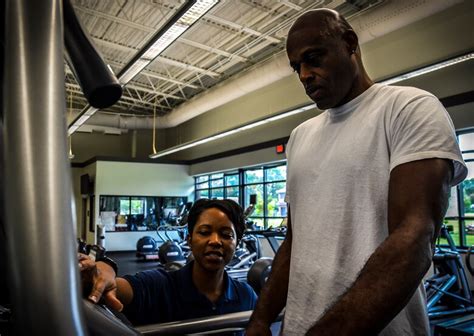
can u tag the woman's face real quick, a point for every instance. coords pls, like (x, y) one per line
(213, 240)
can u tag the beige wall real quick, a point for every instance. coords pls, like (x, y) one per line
(441, 36)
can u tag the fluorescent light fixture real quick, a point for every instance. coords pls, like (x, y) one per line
(232, 131)
(393, 80)
(429, 69)
(190, 15)
(72, 129)
(186, 16)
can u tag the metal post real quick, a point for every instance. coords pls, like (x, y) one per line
(44, 281)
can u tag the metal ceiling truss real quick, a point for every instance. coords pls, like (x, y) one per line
(232, 37)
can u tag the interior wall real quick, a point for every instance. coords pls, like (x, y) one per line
(428, 41)
(88, 145)
(276, 130)
(138, 179)
(250, 159)
(280, 96)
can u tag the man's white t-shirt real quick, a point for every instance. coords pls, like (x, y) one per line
(339, 166)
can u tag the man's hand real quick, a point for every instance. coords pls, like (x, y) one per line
(98, 282)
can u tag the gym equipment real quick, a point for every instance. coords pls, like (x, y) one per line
(260, 270)
(467, 259)
(251, 250)
(171, 250)
(245, 254)
(94, 251)
(447, 290)
(102, 321)
(182, 214)
(147, 248)
(249, 224)
(259, 273)
(225, 324)
(81, 246)
(33, 113)
(454, 326)
(248, 249)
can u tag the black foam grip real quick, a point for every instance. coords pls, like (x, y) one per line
(99, 84)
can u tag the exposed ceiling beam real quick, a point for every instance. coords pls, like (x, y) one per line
(158, 59)
(151, 30)
(154, 92)
(144, 89)
(240, 28)
(188, 66)
(291, 5)
(155, 75)
(115, 19)
(212, 50)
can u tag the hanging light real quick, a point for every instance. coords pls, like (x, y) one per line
(71, 155)
(154, 130)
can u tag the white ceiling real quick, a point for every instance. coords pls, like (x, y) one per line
(233, 36)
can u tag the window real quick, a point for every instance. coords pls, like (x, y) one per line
(218, 186)
(137, 206)
(460, 213)
(124, 207)
(266, 184)
(269, 186)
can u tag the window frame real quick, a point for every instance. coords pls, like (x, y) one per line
(242, 187)
(460, 237)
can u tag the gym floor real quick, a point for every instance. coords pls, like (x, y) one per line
(128, 263)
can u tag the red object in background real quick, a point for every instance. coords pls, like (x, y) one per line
(280, 149)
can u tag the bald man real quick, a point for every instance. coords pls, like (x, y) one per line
(368, 184)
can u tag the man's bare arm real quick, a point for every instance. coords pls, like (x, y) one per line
(272, 298)
(417, 202)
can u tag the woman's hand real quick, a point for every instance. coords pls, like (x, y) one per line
(98, 282)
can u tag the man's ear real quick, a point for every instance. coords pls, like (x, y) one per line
(188, 238)
(352, 41)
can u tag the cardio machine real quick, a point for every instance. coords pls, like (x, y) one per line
(447, 290)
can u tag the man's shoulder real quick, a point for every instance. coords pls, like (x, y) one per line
(402, 93)
(309, 124)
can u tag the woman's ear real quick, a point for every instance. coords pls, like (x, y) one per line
(188, 238)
